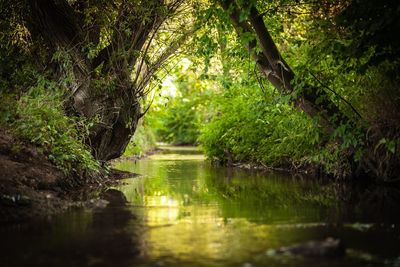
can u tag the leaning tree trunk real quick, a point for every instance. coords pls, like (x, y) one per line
(377, 161)
(314, 102)
(117, 111)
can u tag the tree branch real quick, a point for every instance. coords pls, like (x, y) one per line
(314, 102)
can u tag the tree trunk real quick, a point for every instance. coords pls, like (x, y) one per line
(313, 101)
(117, 111)
(119, 119)
(377, 161)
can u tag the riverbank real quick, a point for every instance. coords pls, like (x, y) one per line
(310, 170)
(32, 187)
(159, 148)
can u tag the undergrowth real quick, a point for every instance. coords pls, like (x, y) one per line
(38, 117)
(250, 128)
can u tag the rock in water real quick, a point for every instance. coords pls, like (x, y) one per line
(329, 247)
(114, 197)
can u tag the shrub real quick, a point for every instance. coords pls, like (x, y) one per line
(181, 122)
(252, 128)
(40, 118)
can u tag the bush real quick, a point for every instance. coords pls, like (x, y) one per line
(178, 118)
(40, 119)
(181, 122)
(251, 128)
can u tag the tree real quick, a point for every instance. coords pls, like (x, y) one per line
(312, 101)
(112, 58)
(367, 29)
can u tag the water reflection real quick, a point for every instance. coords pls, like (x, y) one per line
(211, 216)
(84, 238)
(186, 212)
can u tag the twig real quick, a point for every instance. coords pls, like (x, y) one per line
(334, 92)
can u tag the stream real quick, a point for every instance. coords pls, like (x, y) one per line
(183, 211)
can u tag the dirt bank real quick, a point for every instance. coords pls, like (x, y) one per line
(31, 186)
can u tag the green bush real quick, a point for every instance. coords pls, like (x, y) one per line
(251, 128)
(181, 122)
(40, 119)
(178, 118)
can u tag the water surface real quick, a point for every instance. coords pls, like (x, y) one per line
(183, 211)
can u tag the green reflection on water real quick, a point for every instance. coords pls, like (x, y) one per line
(202, 213)
(185, 212)
(234, 193)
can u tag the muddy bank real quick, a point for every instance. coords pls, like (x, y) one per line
(32, 187)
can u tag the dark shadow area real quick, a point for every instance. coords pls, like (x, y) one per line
(101, 237)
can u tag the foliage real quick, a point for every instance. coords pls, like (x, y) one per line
(255, 128)
(142, 142)
(181, 109)
(39, 118)
(337, 47)
(350, 53)
(32, 106)
(181, 122)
